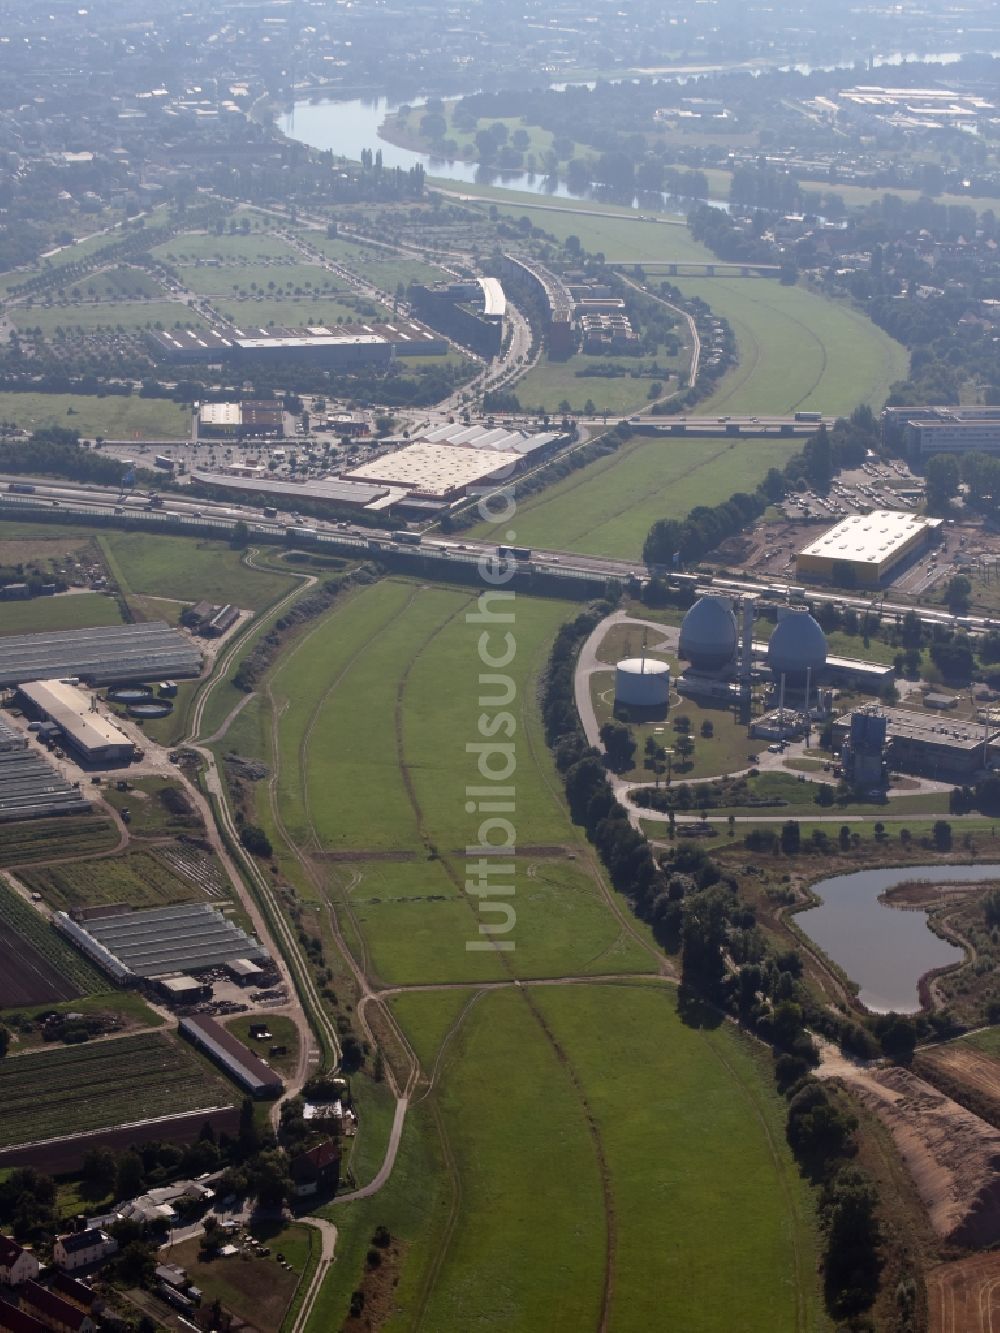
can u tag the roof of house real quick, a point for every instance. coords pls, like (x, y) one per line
(50, 1305)
(73, 1289)
(82, 1240)
(10, 1251)
(318, 1158)
(13, 1320)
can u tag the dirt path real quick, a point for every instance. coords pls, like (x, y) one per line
(328, 1245)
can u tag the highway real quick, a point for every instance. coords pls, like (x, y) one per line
(202, 515)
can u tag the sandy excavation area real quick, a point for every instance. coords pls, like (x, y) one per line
(952, 1155)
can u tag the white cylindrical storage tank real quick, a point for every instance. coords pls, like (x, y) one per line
(642, 682)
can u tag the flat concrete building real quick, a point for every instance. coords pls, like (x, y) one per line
(869, 546)
(436, 470)
(93, 737)
(925, 431)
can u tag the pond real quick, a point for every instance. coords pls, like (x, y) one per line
(886, 950)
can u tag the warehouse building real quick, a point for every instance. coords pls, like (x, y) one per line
(866, 548)
(238, 421)
(531, 447)
(922, 432)
(340, 351)
(93, 738)
(103, 656)
(235, 1059)
(331, 494)
(926, 744)
(438, 471)
(161, 941)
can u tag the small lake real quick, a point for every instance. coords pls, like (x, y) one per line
(884, 949)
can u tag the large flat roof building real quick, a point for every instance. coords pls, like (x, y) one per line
(946, 749)
(101, 656)
(869, 546)
(230, 1054)
(331, 491)
(437, 470)
(925, 431)
(91, 735)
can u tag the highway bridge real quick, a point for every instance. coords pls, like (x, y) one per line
(69, 501)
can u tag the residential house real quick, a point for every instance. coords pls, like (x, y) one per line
(83, 1248)
(17, 1264)
(316, 1170)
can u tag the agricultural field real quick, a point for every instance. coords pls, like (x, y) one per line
(375, 263)
(66, 611)
(796, 350)
(113, 417)
(296, 313)
(623, 238)
(549, 383)
(158, 808)
(36, 840)
(73, 1089)
(189, 569)
(194, 248)
(112, 314)
(123, 1010)
(137, 878)
(36, 963)
(608, 507)
(275, 280)
(375, 705)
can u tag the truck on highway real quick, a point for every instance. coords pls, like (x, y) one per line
(514, 552)
(155, 501)
(406, 538)
(20, 488)
(808, 416)
(270, 511)
(162, 461)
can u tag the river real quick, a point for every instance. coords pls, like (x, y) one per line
(886, 950)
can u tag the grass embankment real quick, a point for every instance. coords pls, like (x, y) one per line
(608, 507)
(796, 350)
(519, 1137)
(190, 570)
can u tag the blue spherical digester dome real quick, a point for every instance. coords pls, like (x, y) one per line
(709, 634)
(797, 645)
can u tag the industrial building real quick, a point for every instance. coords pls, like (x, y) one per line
(922, 432)
(927, 744)
(161, 940)
(252, 418)
(439, 471)
(866, 548)
(103, 656)
(340, 351)
(30, 788)
(331, 493)
(797, 648)
(93, 738)
(229, 1053)
(642, 682)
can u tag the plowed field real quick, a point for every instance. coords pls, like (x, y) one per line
(964, 1297)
